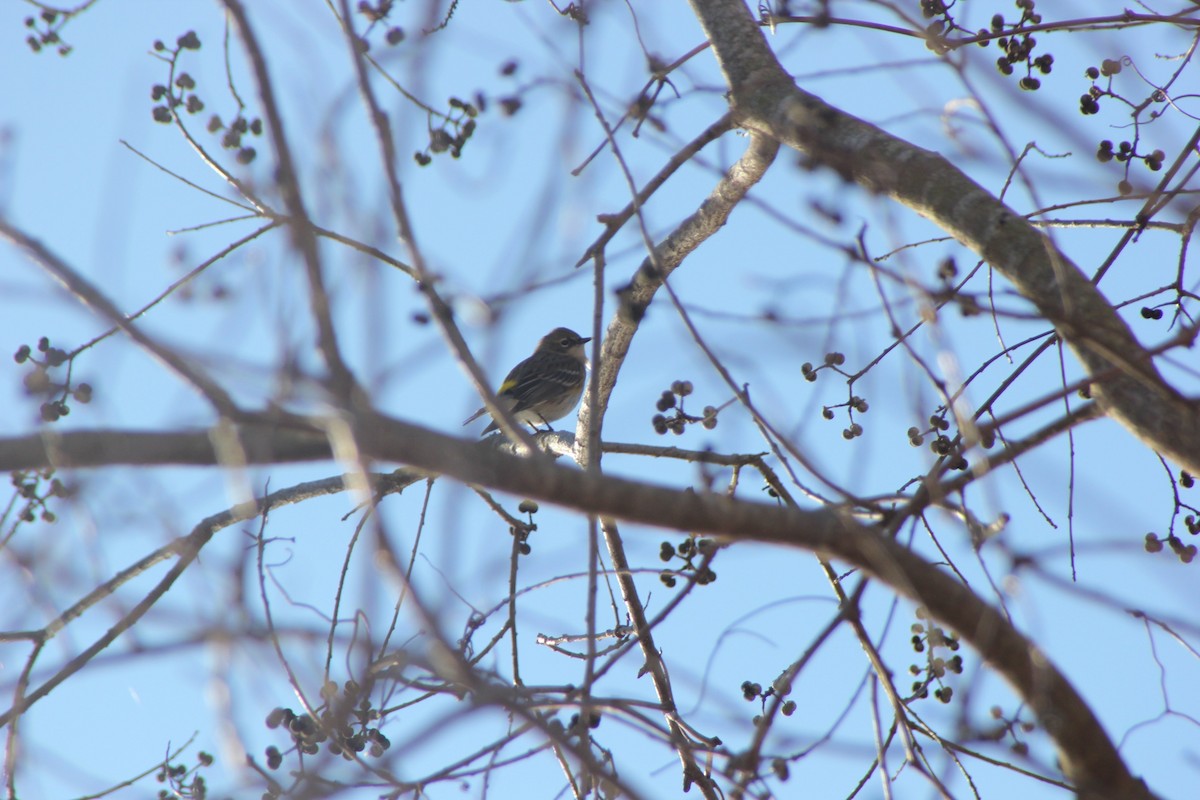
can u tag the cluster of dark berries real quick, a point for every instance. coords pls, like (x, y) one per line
(1184, 552)
(695, 554)
(1151, 313)
(1008, 727)
(1090, 102)
(855, 403)
(754, 691)
(377, 14)
(947, 269)
(46, 31)
(38, 381)
(51, 356)
(28, 484)
(509, 104)
(832, 361)
(916, 438)
(184, 782)
(346, 736)
(306, 734)
(933, 8)
(672, 399)
(943, 445)
(852, 431)
(182, 93)
(928, 638)
(1126, 151)
(54, 410)
(186, 97)
(458, 124)
(937, 32)
(579, 725)
(168, 99)
(234, 134)
(1018, 45)
(523, 530)
(582, 723)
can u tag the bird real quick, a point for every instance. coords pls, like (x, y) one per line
(547, 385)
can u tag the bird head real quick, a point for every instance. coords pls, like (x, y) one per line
(565, 341)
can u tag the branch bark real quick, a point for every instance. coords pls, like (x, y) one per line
(1088, 756)
(765, 99)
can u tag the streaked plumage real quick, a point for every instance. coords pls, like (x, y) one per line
(546, 386)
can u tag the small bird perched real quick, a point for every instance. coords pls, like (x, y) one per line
(545, 386)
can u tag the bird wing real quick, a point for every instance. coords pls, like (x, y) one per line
(531, 386)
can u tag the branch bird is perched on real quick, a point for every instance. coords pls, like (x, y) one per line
(545, 386)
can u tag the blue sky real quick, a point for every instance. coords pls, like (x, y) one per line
(505, 216)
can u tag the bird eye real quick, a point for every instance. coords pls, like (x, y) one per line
(565, 343)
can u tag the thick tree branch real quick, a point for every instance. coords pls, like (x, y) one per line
(1089, 757)
(765, 99)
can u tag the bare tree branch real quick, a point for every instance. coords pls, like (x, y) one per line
(1089, 757)
(764, 98)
